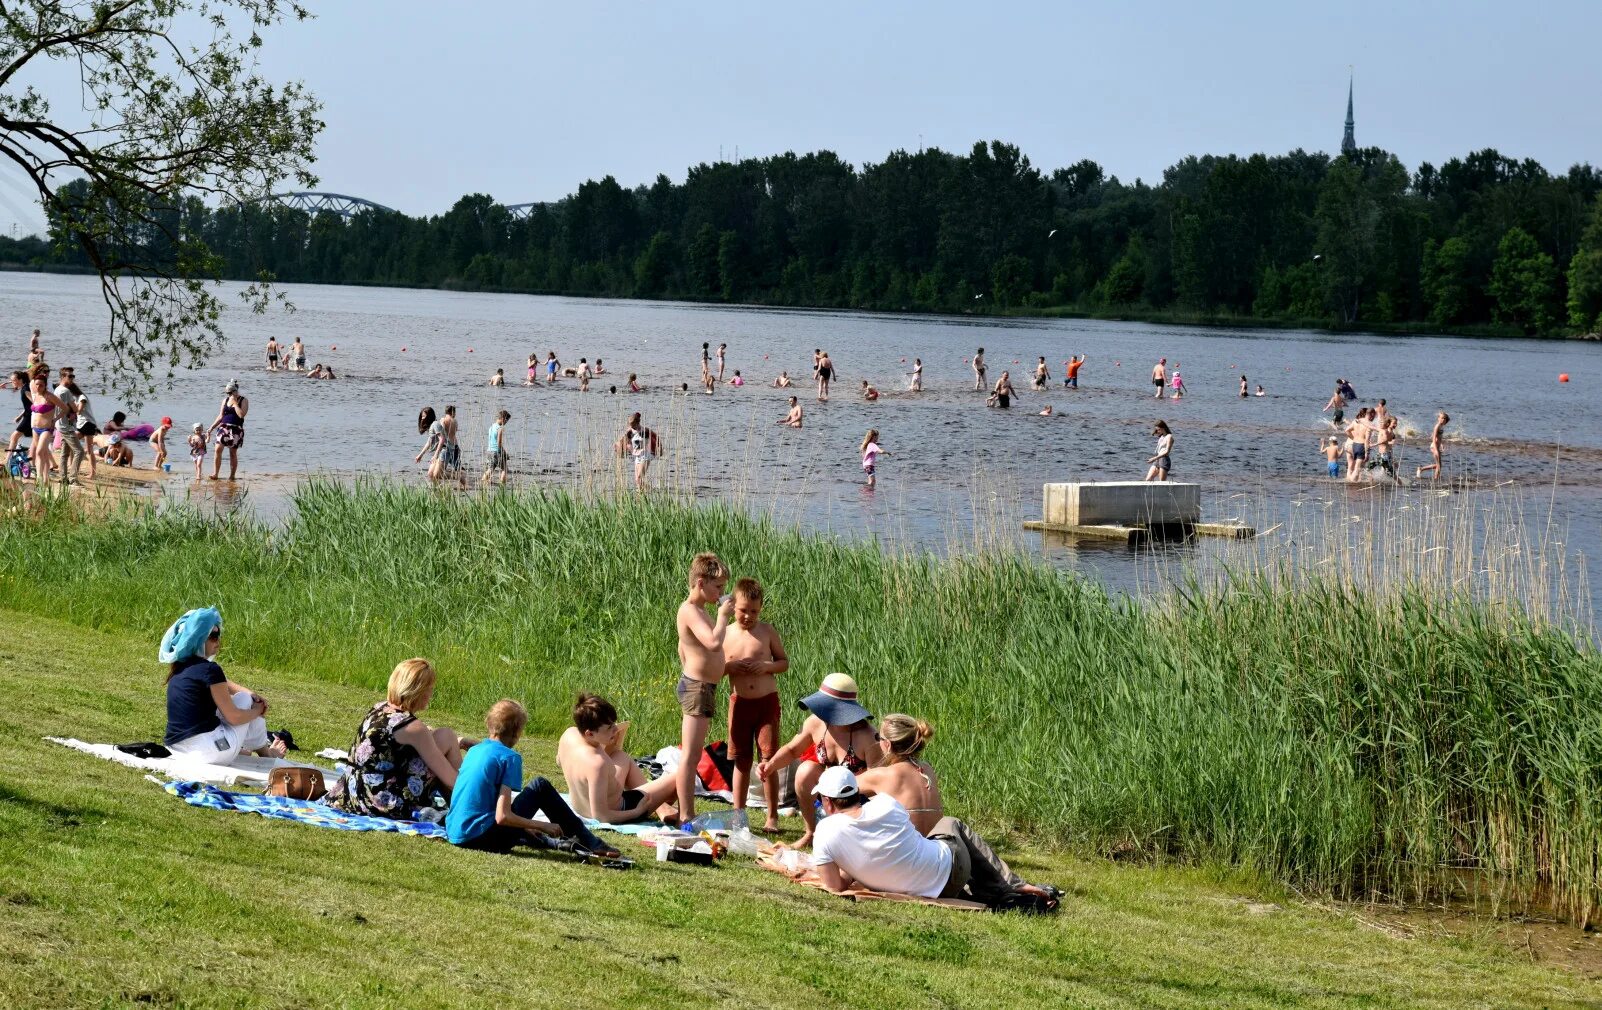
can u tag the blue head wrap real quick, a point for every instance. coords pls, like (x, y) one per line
(187, 636)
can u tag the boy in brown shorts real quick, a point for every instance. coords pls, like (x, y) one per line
(753, 656)
(701, 660)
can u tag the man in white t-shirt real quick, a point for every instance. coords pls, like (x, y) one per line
(872, 841)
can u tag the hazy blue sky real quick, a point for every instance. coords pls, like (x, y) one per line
(428, 101)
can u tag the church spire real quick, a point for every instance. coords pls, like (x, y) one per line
(1349, 142)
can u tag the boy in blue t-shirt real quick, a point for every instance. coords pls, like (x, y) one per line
(485, 813)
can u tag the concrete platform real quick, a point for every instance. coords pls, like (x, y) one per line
(1122, 503)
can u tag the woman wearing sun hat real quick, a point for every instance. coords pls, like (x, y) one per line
(230, 429)
(209, 717)
(838, 731)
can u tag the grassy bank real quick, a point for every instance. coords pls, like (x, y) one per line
(114, 894)
(1348, 743)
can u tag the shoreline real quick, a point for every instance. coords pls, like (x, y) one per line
(1128, 314)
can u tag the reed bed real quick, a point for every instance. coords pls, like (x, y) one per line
(1381, 737)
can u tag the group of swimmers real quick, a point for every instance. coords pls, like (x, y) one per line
(294, 360)
(1372, 439)
(885, 826)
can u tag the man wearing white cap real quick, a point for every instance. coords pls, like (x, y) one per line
(873, 841)
(837, 731)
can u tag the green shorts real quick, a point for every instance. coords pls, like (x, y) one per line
(696, 696)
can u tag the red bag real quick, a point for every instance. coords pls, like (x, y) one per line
(715, 768)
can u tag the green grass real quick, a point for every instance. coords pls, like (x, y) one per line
(1344, 742)
(114, 894)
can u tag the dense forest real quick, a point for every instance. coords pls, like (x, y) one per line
(1353, 240)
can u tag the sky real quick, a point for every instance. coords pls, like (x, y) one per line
(426, 102)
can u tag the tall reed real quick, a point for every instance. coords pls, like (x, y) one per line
(1352, 736)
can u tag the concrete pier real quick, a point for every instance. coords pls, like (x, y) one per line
(1134, 512)
(1122, 503)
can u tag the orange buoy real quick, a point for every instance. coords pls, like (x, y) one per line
(1564, 377)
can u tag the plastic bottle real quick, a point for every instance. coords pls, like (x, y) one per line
(742, 842)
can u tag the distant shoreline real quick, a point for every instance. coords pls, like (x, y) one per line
(1129, 314)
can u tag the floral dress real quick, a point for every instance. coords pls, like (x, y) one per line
(384, 777)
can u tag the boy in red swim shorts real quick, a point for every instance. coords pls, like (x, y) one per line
(753, 657)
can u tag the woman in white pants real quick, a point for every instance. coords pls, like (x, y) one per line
(209, 717)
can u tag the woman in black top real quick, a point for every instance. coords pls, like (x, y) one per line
(19, 382)
(209, 717)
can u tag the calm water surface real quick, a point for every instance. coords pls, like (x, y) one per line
(957, 470)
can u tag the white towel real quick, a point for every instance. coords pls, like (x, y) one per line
(246, 769)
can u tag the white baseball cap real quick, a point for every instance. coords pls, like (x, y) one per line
(836, 783)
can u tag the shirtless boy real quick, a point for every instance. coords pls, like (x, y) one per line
(753, 656)
(1042, 373)
(794, 418)
(701, 658)
(979, 369)
(1434, 466)
(602, 779)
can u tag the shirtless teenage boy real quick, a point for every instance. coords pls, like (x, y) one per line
(602, 779)
(979, 369)
(753, 656)
(701, 658)
(1434, 466)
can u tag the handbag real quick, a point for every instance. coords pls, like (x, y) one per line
(296, 783)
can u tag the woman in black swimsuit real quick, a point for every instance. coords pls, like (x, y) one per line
(825, 373)
(230, 429)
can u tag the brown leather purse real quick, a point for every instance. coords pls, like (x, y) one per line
(296, 783)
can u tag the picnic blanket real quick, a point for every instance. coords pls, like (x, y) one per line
(769, 861)
(204, 794)
(282, 808)
(246, 769)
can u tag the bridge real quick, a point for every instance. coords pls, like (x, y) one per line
(348, 206)
(521, 211)
(325, 203)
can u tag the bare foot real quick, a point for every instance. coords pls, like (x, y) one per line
(804, 842)
(771, 828)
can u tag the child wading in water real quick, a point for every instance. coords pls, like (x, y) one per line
(197, 447)
(158, 442)
(1331, 448)
(1434, 466)
(753, 656)
(494, 453)
(870, 454)
(701, 665)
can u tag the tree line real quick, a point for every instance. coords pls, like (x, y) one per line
(1350, 240)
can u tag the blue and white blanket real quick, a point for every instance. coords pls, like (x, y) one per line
(201, 794)
(282, 808)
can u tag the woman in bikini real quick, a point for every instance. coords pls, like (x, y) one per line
(837, 731)
(825, 374)
(904, 776)
(43, 408)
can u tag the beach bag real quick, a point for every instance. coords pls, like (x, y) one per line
(715, 768)
(296, 783)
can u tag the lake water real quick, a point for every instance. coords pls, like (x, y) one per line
(957, 470)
